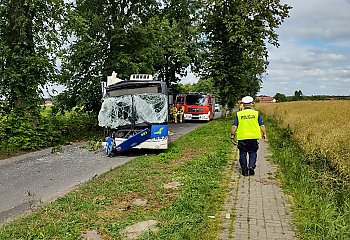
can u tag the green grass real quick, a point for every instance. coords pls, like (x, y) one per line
(197, 160)
(321, 206)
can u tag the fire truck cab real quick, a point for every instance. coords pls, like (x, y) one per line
(198, 106)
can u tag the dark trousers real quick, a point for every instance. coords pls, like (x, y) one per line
(250, 147)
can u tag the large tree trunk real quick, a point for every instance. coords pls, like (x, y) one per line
(21, 42)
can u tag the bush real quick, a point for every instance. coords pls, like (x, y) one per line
(20, 134)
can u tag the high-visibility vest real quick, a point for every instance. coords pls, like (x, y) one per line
(248, 125)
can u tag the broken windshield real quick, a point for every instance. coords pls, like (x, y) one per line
(133, 109)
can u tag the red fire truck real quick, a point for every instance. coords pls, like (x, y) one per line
(198, 106)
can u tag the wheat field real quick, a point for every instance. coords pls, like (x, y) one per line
(322, 128)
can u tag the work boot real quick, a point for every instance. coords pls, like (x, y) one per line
(251, 171)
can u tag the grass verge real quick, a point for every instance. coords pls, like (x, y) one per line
(196, 160)
(321, 206)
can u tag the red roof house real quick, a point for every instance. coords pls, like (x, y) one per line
(265, 99)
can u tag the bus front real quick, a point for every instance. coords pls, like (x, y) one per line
(134, 114)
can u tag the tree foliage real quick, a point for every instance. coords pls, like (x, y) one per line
(298, 95)
(146, 36)
(203, 85)
(161, 37)
(280, 97)
(236, 53)
(127, 37)
(30, 36)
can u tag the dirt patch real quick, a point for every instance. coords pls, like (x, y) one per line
(172, 185)
(266, 181)
(187, 154)
(91, 235)
(134, 231)
(140, 202)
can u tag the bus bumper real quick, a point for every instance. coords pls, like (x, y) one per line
(153, 143)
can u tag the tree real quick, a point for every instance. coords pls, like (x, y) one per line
(108, 37)
(280, 97)
(30, 36)
(298, 95)
(205, 85)
(182, 16)
(128, 37)
(180, 88)
(236, 49)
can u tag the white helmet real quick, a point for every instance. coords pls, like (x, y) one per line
(247, 99)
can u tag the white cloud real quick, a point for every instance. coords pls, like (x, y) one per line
(190, 78)
(318, 19)
(314, 54)
(52, 90)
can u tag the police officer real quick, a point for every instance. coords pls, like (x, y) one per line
(248, 127)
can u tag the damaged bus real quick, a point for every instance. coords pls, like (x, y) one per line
(134, 113)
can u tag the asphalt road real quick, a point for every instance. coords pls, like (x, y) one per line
(29, 180)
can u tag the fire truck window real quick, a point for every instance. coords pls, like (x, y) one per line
(195, 100)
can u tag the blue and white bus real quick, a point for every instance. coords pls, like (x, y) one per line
(134, 113)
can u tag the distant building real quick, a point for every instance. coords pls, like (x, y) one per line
(265, 99)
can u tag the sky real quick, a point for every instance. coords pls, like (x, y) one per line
(314, 52)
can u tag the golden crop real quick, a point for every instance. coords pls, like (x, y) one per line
(321, 127)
